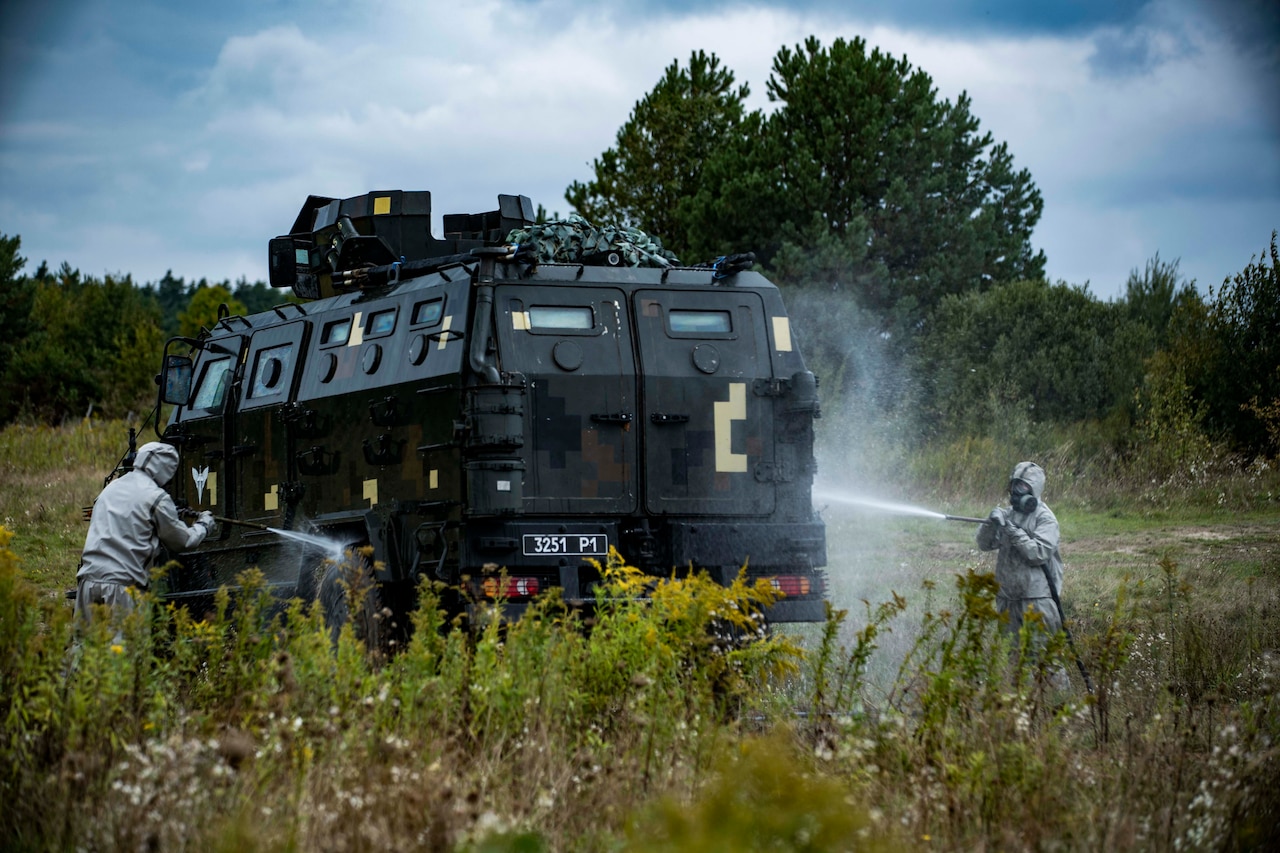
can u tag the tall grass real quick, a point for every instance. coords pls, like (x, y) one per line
(668, 724)
(659, 728)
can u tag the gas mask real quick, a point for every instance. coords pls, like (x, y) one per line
(1021, 498)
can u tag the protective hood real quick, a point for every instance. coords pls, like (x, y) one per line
(158, 460)
(1031, 474)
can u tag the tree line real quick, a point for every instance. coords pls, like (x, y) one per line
(901, 233)
(72, 343)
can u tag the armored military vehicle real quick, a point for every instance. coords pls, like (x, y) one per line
(481, 416)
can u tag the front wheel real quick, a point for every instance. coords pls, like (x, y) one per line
(348, 592)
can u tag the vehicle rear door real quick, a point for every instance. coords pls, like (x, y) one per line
(573, 346)
(708, 437)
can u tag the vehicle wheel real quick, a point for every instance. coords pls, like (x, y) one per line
(311, 571)
(348, 592)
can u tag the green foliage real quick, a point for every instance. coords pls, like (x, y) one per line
(249, 728)
(17, 293)
(656, 162)
(762, 797)
(78, 329)
(1232, 359)
(1028, 351)
(1154, 295)
(861, 161)
(862, 148)
(203, 311)
(1170, 424)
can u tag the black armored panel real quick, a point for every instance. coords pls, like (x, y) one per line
(333, 235)
(497, 423)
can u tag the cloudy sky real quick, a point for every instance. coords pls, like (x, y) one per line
(142, 136)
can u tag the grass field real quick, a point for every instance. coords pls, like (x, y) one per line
(903, 724)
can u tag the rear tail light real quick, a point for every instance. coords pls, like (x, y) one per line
(791, 584)
(510, 587)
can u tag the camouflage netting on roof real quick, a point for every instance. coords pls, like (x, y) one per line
(576, 240)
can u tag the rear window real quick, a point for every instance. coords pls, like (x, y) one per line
(699, 322)
(561, 317)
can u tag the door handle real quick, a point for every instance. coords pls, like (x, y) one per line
(622, 418)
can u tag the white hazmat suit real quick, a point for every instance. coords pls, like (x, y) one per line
(131, 518)
(1026, 541)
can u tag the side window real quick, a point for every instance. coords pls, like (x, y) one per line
(336, 332)
(213, 385)
(428, 313)
(270, 369)
(381, 323)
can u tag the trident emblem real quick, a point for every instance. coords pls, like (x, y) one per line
(200, 475)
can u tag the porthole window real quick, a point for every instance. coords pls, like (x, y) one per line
(371, 359)
(270, 370)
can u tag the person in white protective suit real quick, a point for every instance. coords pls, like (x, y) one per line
(131, 518)
(1026, 537)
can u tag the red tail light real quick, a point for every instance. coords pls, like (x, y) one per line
(791, 584)
(514, 588)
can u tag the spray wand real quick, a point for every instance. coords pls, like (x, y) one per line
(239, 523)
(1053, 591)
(187, 512)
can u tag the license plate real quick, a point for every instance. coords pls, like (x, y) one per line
(566, 545)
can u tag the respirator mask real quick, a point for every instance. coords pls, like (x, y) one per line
(1021, 498)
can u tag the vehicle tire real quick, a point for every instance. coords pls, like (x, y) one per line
(311, 571)
(353, 579)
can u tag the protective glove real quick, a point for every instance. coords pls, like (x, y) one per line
(205, 519)
(998, 518)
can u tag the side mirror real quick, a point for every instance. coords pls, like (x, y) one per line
(175, 379)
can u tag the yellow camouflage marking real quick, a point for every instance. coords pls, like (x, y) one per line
(271, 500)
(212, 485)
(371, 492)
(520, 321)
(782, 334)
(444, 331)
(433, 479)
(381, 205)
(735, 409)
(357, 330)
